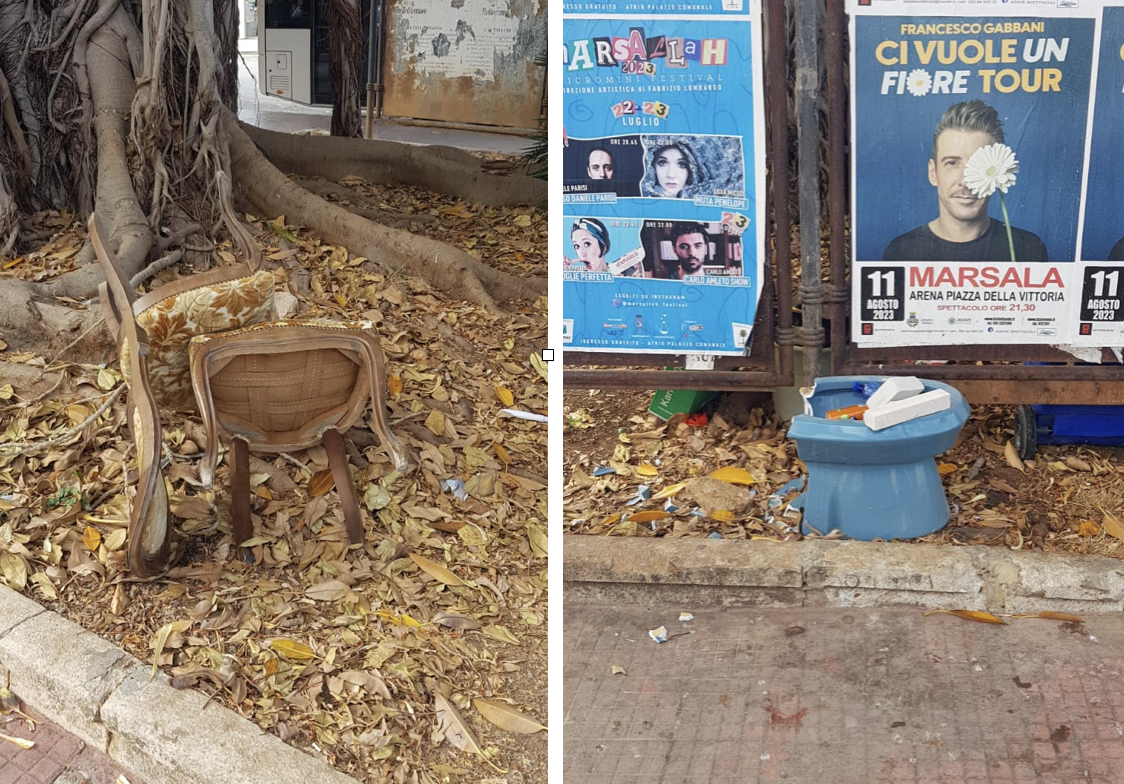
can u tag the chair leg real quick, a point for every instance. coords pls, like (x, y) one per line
(240, 493)
(333, 445)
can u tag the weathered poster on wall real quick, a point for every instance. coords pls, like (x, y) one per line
(969, 131)
(663, 176)
(1098, 318)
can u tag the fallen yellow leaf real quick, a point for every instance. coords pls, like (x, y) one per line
(501, 453)
(393, 385)
(291, 649)
(436, 570)
(1089, 528)
(505, 396)
(669, 491)
(971, 615)
(647, 469)
(733, 475)
(22, 743)
(91, 537)
(944, 469)
(722, 515)
(649, 516)
(1052, 616)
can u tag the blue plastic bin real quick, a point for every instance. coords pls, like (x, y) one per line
(868, 484)
(1066, 424)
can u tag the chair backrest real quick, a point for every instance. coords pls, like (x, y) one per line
(280, 386)
(171, 315)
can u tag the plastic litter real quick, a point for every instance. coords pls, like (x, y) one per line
(866, 389)
(643, 493)
(456, 487)
(603, 470)
(686, 616)
(669, 507)
(511, 412)
(714, 535)
(659, 635)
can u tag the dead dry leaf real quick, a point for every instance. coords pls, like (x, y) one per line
(971, 615)
(452, 727)
(436, 570)
(21, 742)
(1052, 616)
(733, 475)
(291, 649)
(670, 490)
(507, 717)
(321, 482)
(91, 537)
(1013, 458)
(328, 591)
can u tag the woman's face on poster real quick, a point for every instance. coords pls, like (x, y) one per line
(588, 250)
(671, 170)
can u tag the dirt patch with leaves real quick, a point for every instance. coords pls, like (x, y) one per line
(628, 473)
(418, 656)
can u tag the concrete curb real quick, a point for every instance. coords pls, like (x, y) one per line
(819, 573)
(103, 695)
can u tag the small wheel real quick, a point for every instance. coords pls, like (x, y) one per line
(1026, 432)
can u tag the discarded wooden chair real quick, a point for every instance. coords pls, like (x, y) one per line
(284, 386)
(213, 343)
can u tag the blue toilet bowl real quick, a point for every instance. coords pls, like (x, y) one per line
(868, 484)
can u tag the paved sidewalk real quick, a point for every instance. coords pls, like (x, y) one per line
(839, 696)
(56, 758)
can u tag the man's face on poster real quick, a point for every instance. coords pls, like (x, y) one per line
(691, 250)
(946, 173)
(600, 165)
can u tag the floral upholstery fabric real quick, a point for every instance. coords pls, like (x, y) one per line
(319, 323)
(171, 324)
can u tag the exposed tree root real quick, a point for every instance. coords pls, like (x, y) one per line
(263, 189)
(120, 107)
(440, 169)
(399, 220)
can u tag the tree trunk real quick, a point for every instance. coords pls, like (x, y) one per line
(345, 66)
(124, 107)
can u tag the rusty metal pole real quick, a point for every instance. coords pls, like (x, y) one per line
(809, 21)
(838, 297)
(776, 107)
(372, 25)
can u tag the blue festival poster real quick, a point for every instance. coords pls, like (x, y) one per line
(1099, 316)
(969, 133)
(663, 173)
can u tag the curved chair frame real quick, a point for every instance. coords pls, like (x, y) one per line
(150, 531)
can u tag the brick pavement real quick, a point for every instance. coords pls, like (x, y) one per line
(56, 758)
(839, 696)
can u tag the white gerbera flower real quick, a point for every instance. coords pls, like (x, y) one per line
(990, 169)
(919, 82)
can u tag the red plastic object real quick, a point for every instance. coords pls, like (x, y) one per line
(697, 420)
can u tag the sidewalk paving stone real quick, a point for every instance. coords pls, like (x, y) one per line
(840, 695)
(57, 757)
